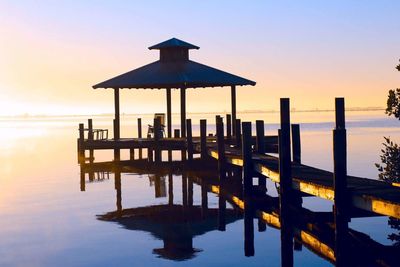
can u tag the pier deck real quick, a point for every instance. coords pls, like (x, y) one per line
(367, 194)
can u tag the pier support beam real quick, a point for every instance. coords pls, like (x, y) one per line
(260, 139)
(247, 159)
(285, 176)
(117, 154)
(247, 189)
(183, 112)
(81, 140)
(90, 138)
(169, 117)
(233, 105)
(296, 145)
(229, 126)
(221, 147)
(203, 139)
(157, 137)
(341, 216)
(189, 139)
(117, 117)
(238, 133)
(139, 125)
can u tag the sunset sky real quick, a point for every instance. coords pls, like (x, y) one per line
(52, 52)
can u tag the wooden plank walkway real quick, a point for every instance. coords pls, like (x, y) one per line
(367, 194)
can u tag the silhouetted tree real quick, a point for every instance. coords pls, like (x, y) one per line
(393, 101)
(389, 168)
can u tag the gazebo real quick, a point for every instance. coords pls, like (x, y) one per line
(173, 70)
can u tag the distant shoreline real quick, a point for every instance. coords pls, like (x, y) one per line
(355, 109)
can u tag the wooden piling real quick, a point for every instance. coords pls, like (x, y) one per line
(139, 125)
(260, 137)
(184, 190)
(222, 203)
(177, 133)
(228, 126)
(248, 227)
(183, 111)
(204, 199)
(117, 184)
(285, 174)
(247, 159)
(233, 106)
(221, 146)
(238, 133)
(117, 117)
(81, 150)
(82, 180)
(170, 189)
(117, 154)
(296, 145)
(189, 139)
(190, 191)
(157, 137)
(169, 117)
(203, 139)
(340, 182)
(285, 187)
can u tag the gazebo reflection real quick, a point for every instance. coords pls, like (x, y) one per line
(175, 224)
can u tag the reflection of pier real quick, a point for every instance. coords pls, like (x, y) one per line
(300, 227)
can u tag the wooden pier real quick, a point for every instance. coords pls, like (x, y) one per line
(370, 195)
(313, 230)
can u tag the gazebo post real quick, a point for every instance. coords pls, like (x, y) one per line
(183, 112)
(233, 103)
(116, 105)
(169, 119)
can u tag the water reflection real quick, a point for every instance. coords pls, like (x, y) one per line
(178, 224)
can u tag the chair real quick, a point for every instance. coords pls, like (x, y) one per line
(150, 129)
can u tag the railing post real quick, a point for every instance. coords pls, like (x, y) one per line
(238, 133)
(189, 139)
(203, 139)
(229, 126)
(296, 144)
(260, 139)
(221, 146)
(340, 182)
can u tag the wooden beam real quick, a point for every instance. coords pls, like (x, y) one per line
(183, 112)
(169, 117)
(233, 105)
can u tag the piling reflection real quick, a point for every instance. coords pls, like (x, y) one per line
(178, 224)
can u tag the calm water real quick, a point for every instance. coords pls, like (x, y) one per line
(46, 220)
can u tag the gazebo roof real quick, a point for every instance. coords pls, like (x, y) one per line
(173, 43)
(174, 70)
